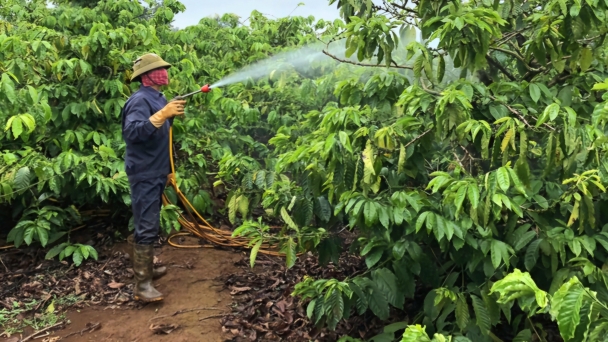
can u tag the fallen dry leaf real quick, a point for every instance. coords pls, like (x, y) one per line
(115, 285)
(51, 339)
(236, 290)
(163, 328)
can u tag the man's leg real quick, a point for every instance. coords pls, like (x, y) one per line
(146, 200)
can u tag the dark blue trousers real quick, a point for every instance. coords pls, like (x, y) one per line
(146, 202)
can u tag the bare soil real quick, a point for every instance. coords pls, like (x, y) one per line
(191, 282)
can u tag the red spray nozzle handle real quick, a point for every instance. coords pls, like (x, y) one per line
(205, 89)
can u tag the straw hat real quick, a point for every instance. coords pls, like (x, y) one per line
(147, 62)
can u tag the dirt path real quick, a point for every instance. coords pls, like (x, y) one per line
(188, 284)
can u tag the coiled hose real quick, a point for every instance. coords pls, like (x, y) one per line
(203, 230)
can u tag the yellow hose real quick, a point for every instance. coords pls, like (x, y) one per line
(205, 230)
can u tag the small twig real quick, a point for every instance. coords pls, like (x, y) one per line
(515, 112)
(178, 312)
(203, 279)
(32, 336)
(88, 329)
(458, 159)
(6, 268)
(418, 137)
(213, 316)
(533, 328)
(425, 88)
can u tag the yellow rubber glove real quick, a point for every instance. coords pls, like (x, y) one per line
(172, 109)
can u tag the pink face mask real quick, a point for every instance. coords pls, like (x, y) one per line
(155, 77)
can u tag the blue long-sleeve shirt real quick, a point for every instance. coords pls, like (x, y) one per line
(147, 152)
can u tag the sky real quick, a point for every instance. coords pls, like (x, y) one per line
(197, 9)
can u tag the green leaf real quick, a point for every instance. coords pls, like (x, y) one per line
(415, 333)
(482, 316)
(324, 209)
(22, 178)
(518, 184)
(550, 112)
(585, 59)
(92, 252)
(386, 282)
(497, 251)
(532, 254)
(77, 257)
(473, 195)
(310, 308)
(401, 162)
(378, 304)
(254, 253)
(534, 92)
(345, 141)
(566, 307)
(421, 219)
(373, 258)
(290, 253)
(523, 336)
(16, 127)
(243, 206)
(461, 194)
(8, 88)
(502, 177)
(232, 208)
(43, 235)
(399, 249)
(599, 331)
(370, 213)
(33, 94)
(462, 312)
(384, 218)
(285, 216)
(53, 252)
(440, 68)
(524, 240)
(418, 64)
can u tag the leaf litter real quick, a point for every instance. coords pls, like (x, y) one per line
(264, 310)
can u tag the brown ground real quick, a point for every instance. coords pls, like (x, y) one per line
(189, 284)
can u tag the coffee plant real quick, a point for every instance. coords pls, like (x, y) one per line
(460, 141)
(477, 150)
(64, 80)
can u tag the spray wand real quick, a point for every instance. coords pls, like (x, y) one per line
(204, 89)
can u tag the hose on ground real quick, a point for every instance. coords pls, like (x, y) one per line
(197, 225)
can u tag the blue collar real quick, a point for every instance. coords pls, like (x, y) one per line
(151, 91)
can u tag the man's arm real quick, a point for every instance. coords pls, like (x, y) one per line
(138, 127)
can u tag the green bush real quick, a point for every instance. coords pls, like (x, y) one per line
(481, 150)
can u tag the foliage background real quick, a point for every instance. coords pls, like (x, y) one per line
(453, 181)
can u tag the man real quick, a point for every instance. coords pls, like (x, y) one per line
(146, 118)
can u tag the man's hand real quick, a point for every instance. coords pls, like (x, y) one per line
(172, 109)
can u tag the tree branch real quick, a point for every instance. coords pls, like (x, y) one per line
(516, 55)
(418, 137)
(424, 87)
(495, 63)
(520, 116)
(364, 64)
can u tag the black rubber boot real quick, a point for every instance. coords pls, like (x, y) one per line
(143, 256)
(157, 272)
